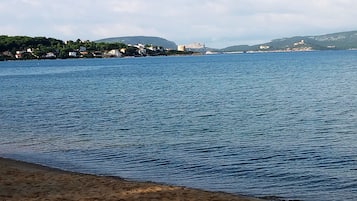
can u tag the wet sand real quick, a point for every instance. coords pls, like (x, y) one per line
(26, 181)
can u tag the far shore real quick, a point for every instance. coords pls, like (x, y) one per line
(27, 181)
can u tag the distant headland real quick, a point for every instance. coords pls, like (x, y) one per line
(25, 47)
(334, 41)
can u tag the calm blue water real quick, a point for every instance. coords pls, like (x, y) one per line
(281, 124)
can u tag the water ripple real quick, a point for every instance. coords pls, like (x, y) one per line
(257, 124)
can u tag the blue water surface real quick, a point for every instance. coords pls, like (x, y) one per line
(282, 124)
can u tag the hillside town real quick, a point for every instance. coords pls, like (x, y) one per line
(23, 48)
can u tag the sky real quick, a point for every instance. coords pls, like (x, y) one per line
(216, 23)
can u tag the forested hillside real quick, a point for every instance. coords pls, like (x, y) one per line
(335, 41)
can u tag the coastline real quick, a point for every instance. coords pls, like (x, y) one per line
(26, 181)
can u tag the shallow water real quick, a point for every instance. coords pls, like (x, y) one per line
(279, 124)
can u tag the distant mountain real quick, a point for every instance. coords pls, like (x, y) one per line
(343, 40)
(239, 48)
(157, 41)
(335, 41)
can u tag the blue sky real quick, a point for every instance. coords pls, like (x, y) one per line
(217, 23)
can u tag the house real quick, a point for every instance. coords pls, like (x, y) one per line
(98, 54)
(264, 47)
(152, 48)
(84, 54)
(50, 55)
(302, 42)
(139, 46)
(72, 54)
(19, 54)
(142, 51)
(114, 53)
(181, 48)
(8, 54)
(123, 50)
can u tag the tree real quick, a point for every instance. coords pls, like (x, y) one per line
(131, 51)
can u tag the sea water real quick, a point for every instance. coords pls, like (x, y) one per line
(282, 124)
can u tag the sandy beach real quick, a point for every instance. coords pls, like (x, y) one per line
(26, 181)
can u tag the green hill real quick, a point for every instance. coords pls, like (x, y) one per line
(335, 41)
(343, 40)
(157, 41)
(239, 48)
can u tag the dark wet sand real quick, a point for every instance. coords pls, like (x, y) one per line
(26, 181)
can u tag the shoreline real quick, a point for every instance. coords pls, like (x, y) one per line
(27, 181)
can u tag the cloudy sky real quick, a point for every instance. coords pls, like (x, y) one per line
(217, 23)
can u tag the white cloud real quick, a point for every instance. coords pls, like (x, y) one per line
(66, 30)
(112, 30)
(127, 7)
(214, 22)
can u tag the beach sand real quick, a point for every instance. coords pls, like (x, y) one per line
(26, 181)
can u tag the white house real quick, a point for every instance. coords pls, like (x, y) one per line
(302, 42)
(72, 54)
(181, 48)
(114, 53)
(50, 55)
(18, 54)
(123, 50)
(264, 47)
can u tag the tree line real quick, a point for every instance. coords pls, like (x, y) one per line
(40, 47)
